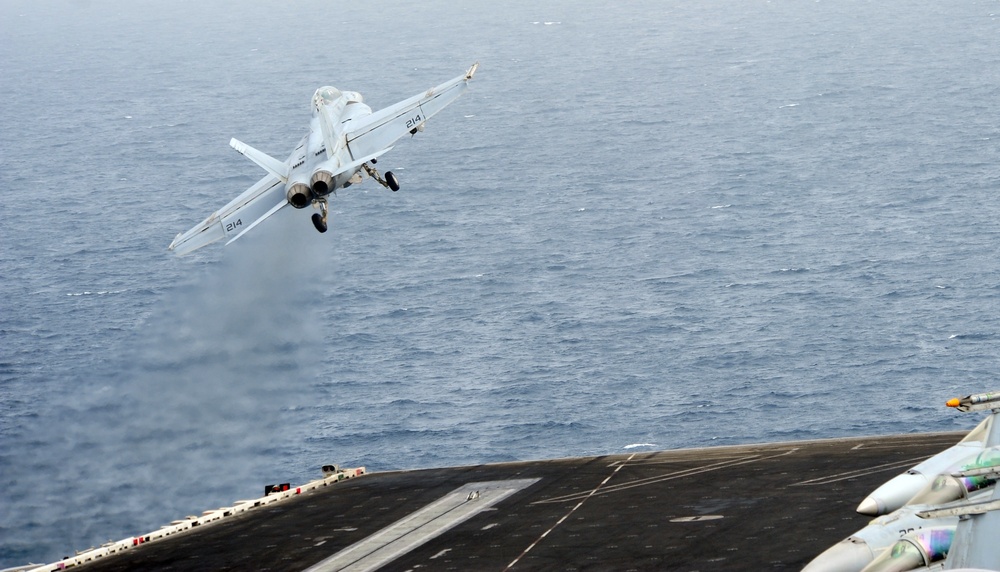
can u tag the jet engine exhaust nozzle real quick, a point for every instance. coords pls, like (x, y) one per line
(300, 195)
(322, 182)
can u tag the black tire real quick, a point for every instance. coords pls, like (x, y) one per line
(392, 181)
(318, 222)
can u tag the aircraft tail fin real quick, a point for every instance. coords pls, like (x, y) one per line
(332, 131)
(262, 159)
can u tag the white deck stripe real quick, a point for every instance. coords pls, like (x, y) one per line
(415, 529)
(571, 511)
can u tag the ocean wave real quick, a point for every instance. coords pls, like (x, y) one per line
(976, 336)
(97, 293)
(638, 445)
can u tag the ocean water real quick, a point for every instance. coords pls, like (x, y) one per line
(664, 223)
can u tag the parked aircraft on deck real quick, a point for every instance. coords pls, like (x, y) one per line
(943, 514)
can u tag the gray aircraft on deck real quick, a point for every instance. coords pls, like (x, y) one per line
(942, 514)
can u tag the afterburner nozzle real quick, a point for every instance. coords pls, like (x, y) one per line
(322, 182)
(299, 195)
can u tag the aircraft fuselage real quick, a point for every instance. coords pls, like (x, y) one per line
(316, 162)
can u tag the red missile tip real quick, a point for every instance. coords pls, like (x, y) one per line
(953, 402)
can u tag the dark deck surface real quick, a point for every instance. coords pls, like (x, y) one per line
(752, 507)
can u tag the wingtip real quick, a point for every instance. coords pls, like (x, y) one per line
(472, 71)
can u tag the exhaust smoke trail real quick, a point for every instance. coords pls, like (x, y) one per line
(201, 406)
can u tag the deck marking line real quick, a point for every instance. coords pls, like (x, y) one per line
(419, 527)
(859, 472)
(669, 476)
(440, 554)
(571, 511)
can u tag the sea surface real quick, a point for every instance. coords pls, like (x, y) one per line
(648, 225)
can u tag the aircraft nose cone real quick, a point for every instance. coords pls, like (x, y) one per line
(849, 555)
(893, 494)
(869, 507)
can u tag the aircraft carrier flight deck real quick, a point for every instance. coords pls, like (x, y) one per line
(754, 507)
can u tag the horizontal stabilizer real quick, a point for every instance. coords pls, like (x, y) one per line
(262, 159)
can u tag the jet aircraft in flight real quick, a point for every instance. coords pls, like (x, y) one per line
(341, 149)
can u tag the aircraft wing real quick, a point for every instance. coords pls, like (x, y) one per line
(384, 127)
(255, 204)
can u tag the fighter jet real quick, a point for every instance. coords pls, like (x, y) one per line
(344, 142)
(972, 509)
(895, 492)
(858, 550)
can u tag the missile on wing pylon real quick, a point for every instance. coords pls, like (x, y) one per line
(976, 402)
(896, 491)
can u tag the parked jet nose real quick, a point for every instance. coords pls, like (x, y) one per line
(849, 555)
(893, 494)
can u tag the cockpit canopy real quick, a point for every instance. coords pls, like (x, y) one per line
(329, 95)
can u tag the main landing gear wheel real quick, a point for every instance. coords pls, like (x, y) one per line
(391, 181)
(319, 219)
(318, 222)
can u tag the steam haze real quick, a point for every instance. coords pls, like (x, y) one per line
(199, 403)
